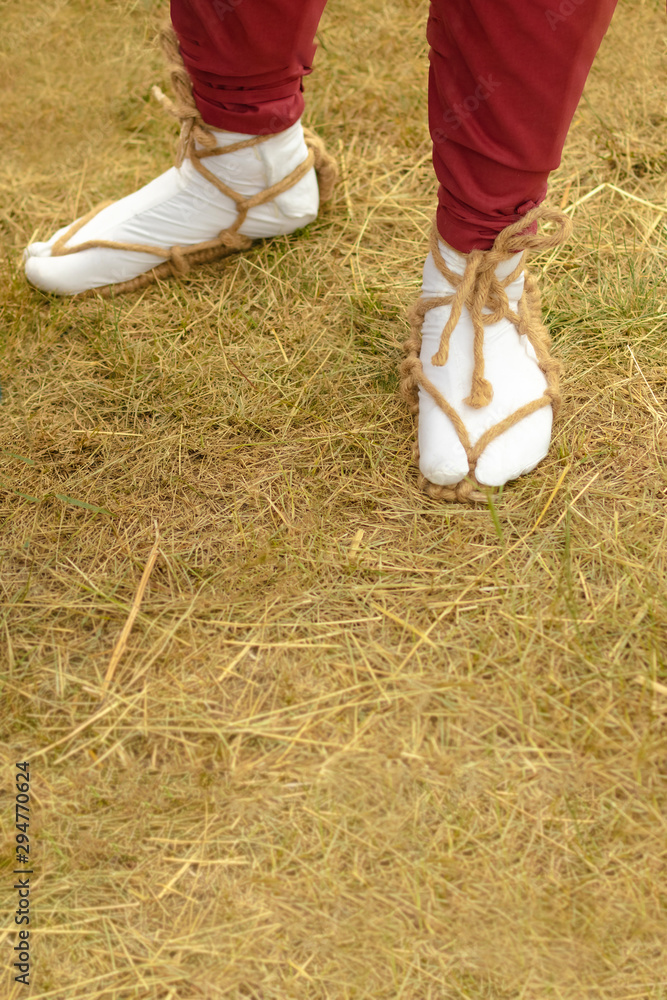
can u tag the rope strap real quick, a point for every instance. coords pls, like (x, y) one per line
(483, 294)
(178, 260)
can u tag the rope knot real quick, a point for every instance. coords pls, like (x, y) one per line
(479, 290)
(464, 489)
(178, 262)
(234, 240)
(481, 392)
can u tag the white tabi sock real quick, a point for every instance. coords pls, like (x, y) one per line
(510, 365)
(182, 208)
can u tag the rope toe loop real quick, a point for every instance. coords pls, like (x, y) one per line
(479, 290)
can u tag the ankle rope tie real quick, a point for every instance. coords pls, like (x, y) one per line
(178, 260)
(483, 294)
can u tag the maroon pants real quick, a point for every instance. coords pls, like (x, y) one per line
(505, 79)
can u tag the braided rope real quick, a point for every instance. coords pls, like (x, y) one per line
(483, 294)
(178, 260)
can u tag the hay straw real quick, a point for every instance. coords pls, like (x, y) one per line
(121, 642)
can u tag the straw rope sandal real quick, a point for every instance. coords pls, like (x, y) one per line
(480, 291)
(178, 260)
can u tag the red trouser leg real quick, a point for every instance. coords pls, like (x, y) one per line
(505, 80)
(246, 59)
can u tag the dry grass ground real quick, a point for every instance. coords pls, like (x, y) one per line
(362, 745)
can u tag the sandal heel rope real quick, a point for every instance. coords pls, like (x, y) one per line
(178, 260)
(483, 294)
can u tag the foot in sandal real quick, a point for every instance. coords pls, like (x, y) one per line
(478, 375)
(182, 209)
